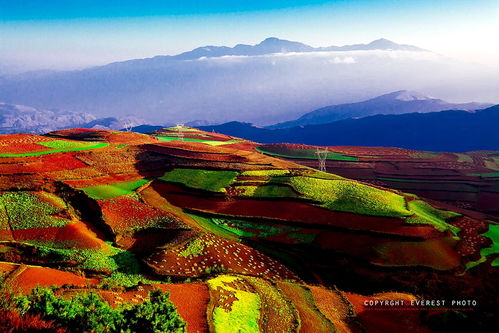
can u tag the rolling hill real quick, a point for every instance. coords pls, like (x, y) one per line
(241, 240)
(465, 180)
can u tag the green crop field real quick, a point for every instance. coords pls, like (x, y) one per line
(427, 214)
(24, 210)
(242, 228)
(183, 129)
(269, 191)
(349, 196)
(485, 175)
(208, 142)
(244, 313)
(265, 173)
(208, 180)
(60, 146)
(114, 190)
(492, 234)
(308, 154)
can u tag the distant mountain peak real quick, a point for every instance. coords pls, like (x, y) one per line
(272, 45)
(397, 102)
(383, 42)
(407, 95)
(272, 40)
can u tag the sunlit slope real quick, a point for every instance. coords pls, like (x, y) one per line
(124, 210)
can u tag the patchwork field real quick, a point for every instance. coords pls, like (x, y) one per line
(243, 238)
(464, 180)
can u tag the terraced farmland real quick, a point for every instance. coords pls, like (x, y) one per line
(242, 241)
(464, 180)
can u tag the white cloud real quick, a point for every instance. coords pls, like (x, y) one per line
(342, 60)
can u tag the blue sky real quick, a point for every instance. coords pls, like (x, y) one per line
(67, 9)
(64, 34)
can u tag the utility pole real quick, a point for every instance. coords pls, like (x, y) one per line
(180, 134)
(128, 126)
(322, 156)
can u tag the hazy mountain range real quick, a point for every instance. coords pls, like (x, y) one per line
(271, 82)
(26, 119)
(397, 102)
(454, 131)
(274, 45)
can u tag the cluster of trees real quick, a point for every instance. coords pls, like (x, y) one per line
(44, 311)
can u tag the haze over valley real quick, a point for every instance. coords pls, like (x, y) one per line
(271, 82)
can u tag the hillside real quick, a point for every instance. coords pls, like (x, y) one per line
(434, 131)
(398, 102)
(465, 180)
(231, 233)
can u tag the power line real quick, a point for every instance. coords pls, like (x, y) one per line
(322, 156)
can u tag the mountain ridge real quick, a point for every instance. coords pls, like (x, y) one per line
(16, 118)
(443, 131)
(397, 102)
(259, 89)
(272, 45)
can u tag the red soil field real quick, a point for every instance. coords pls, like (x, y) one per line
(191, 300)
(471, 242)
(276, 313)
(311, 319)
(439, 254)
(154, 225)
(216, 254)
(293, 211)
(25, 278)
(7, 268)
(77, 234)
(205, 156)
(382, 321)
(6, 235)
(14, 139)
(250, 156)
(104, 179)
(124, 214)
(22, 148)
(40, 164)
(60, 162)
(81, 134)
(335, 307)
(418, 172)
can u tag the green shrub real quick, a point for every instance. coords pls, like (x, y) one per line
(89, 313)
(194, 248)
(156, 315)
(81, 313)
